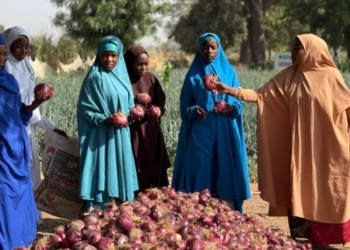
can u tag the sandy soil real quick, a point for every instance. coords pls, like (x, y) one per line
(255, 207)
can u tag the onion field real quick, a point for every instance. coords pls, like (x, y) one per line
(61, 109)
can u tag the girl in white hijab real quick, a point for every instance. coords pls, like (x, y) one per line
(17, 40)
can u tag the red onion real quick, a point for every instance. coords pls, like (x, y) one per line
(205, 220)
(92, 219)
(82, 245)
(43, 91)
(92, 237)
(195, 244)
(148, 226)
(219, 106)
(124, 222)
(105, 243)
(56, 240)
(73, 236)
(143, 98)
(154, 111)
(119, 119)
(150, 238)
(141, 210)
(220, 217)
(209, 82)
(137, 112)
(120, 239)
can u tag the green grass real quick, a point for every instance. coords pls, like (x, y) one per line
(61, 109)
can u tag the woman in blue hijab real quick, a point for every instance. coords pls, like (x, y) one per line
(18, 213)
(211, 151)
(106, 160)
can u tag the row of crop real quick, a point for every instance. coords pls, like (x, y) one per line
(61, 109)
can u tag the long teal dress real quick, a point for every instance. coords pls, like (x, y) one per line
(106, 159)
(211, 153)
(18, 213)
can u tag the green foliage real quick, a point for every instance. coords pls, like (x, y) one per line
(280, 29)
(166, 73)
(327, 18)
(222, 17)
(89, 20)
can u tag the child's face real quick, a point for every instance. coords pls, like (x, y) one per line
(3, 55)
(20, 48)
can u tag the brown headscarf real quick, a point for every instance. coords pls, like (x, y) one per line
(130, 56)
(303, 137)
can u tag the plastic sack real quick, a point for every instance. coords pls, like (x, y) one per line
(58, 192)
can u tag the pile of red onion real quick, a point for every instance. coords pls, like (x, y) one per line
(160, 219)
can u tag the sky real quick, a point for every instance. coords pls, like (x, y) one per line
(35, 16)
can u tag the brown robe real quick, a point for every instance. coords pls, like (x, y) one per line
(150, 152)
(303, 137)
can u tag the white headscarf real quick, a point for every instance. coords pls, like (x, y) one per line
(21, 70)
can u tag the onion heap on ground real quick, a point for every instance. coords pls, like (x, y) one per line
(162, 219)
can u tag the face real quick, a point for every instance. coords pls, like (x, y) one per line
(3, 55)
(298, 52)
(20, 48)
(141, 63)
(109, 59)
(209, 50)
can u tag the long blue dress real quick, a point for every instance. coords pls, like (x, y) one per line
(18, 213)
(106, 160)
(211, 153)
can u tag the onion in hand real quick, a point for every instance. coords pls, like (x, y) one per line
(43, 91)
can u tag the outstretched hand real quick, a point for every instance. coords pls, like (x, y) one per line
(220, 88)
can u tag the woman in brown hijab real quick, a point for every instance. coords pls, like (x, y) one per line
(151, 156)
(303, 141)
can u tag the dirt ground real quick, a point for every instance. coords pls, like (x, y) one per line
(255, 207)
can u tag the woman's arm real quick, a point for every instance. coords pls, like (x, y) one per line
(248, 95)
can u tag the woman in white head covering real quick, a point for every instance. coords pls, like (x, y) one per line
(17, 40)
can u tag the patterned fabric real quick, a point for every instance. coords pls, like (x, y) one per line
(326, 234)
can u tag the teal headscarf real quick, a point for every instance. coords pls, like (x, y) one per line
(106, 159)
(112, 43)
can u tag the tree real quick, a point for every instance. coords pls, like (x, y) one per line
(328, 19)
(281, 28)
(256, 32)
(89, 21)
(221, 17)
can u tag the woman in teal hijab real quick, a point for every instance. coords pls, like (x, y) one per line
(211, 152)
(106, 161)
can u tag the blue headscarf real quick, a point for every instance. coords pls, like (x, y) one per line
(220, 66)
